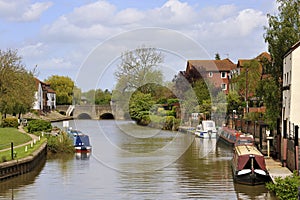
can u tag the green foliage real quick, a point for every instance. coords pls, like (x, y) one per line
(283, 32)
(17, 85)
(234, 102)
(137, 68)
(10, 122)
(269, 91)
(286, 188)
(60, 144)
(98, 97)
(38, 125)
(140, 104)
(172, 101)
(63, 87)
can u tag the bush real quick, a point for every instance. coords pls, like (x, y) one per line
(39, 125)
(10, 122)
(60, 144)
(286, 188)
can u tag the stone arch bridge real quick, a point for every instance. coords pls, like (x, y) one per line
(90, 111)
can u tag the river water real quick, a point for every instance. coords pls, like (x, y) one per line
(132, 162)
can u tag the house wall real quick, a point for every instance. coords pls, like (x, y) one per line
(295, 86)
(291, 86)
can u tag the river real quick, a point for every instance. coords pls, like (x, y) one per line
(132, 162)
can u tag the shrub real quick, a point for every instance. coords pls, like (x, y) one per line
(60, 144)
(39, 125)
(286, 188)
(10, 122)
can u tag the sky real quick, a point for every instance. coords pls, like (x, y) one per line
(84, 39)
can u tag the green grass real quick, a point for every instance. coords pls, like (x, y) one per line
(8, 135)
(20, 151)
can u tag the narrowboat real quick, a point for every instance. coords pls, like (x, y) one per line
(234, 138)
(81, 141)
(249, 166)
(207, 129)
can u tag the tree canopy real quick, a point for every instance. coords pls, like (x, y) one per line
(283, 31)
(139, 67)
(17, 85)
(63, 87)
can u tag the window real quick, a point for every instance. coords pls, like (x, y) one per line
(224, 86)
(210, 74)
(223, 74)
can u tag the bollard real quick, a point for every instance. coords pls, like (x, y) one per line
(34, 141)
(42, 134)
(39, 138)
(31, 144)
(26, 148)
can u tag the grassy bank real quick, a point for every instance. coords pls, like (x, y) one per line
(20, 151)
(9, 135)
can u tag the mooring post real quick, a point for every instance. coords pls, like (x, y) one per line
(12, 150)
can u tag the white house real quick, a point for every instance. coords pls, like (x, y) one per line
(291, 87)
(45, 97)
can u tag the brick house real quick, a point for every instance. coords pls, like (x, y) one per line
(214, 71)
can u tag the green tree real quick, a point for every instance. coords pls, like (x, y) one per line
(282, 32)
(17, 85)
(63, 87)
(234, 102)
(139, 67)
(217, 56)
(268, 90)
(247, 82)
(140, 105)
(201, 90)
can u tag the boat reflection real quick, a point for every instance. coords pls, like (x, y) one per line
(82, 155)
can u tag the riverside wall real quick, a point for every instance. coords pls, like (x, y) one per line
(24, 165)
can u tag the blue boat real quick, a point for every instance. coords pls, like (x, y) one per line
(81, 141)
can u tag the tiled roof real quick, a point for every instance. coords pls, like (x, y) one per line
(213, 65)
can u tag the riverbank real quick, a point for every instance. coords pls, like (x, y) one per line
(23, 165)
(53, 116)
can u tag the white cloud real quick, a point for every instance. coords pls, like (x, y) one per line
(224, 29)
(22, 10)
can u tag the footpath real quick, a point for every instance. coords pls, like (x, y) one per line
(33, 137)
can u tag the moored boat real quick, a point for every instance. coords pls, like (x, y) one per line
(248, 166)
(81, 141)
(234, 138)
(207, 129)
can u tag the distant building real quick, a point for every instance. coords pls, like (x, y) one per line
(291, 87)
(45, 97)
(214, 71)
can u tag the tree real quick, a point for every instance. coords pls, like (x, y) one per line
(247, 82)
(138, 67)
(137, 71)
(17, 85)
(63, 87)
(283, 31)
(217, 56)
(140, 105)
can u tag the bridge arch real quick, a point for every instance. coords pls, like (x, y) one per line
(107, 115)
(84, 116)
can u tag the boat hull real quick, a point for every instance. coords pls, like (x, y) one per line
(251, 178)
(83, 149)
(206, 135)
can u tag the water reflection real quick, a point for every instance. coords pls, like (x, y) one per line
(9, 187)
(203, 171)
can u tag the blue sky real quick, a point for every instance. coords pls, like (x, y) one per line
(59, 35)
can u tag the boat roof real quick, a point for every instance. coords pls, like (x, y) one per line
(247, 150)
